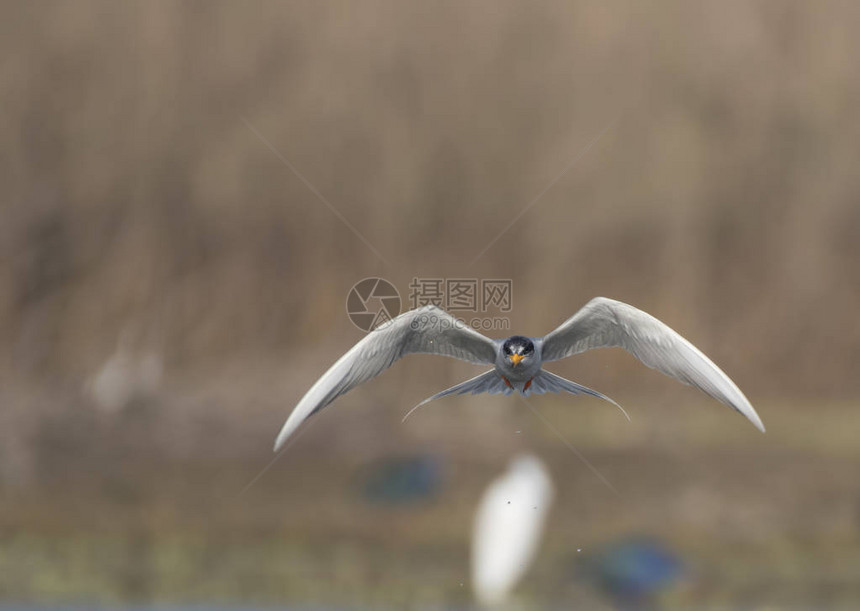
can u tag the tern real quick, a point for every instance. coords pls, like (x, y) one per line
(518, 361)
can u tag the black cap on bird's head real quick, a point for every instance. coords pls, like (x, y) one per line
(516, 348)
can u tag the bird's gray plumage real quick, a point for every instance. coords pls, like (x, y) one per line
(492, 383)
(428, 330)
(606, 323)
(600, 323)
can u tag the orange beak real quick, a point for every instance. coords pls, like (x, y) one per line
(516, 358)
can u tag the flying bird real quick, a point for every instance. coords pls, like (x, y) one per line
(518, 361)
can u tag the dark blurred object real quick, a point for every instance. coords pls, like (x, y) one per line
(403, 481)
(633, 572)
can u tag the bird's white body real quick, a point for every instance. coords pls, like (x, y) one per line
(507, 530)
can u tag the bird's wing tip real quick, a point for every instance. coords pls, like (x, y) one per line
(753, 417)
(281, 439)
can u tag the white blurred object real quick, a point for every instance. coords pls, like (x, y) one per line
(126, 375)
(507, 529)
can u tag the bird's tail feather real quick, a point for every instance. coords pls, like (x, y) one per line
(545, 382)
(489, 382)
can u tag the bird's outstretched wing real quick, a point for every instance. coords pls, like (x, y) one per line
(604, 323)
(428, 330)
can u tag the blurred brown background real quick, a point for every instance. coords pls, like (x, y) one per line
(149, 226)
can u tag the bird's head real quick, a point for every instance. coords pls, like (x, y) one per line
(517, 349)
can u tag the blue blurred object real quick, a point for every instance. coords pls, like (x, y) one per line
(634, 571)
(402, 481)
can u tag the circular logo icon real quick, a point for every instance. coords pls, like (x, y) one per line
(372, 302)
